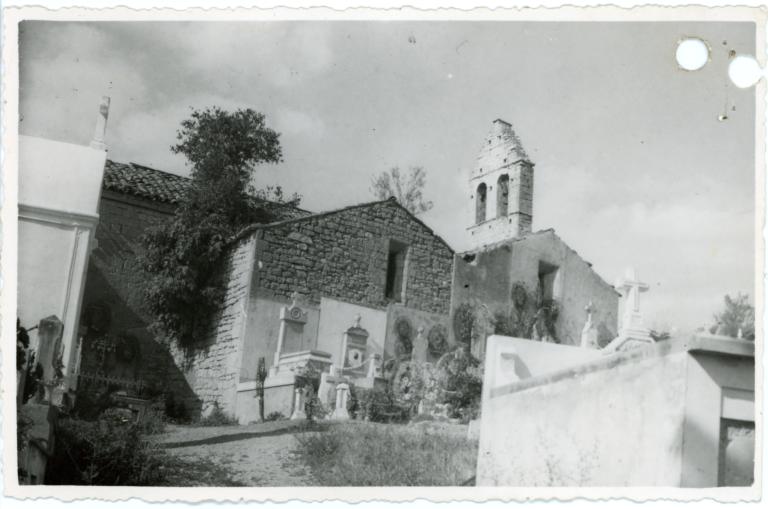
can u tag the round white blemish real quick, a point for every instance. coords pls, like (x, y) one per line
(692, 54)
(744, 71)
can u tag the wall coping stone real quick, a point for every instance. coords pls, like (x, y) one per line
(697, 344)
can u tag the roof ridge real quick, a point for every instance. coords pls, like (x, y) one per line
(162, 186)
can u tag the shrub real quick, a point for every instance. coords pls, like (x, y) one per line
(531, 316)
(464, 323)
(404, 332)
(373, 454)
(275, 416)
(377, 405)
(217, 417)
(152, 422)
(437, 340)
(308, 380)
(461, 381)
(110, 451)
(314, 408)
(175, 411)
(415, 383)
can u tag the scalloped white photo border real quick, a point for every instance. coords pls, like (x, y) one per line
(13, 15)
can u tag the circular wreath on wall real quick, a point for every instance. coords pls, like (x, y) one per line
(126, 348)
(97, 317)
(437, 340)
(519, 296)
(464, 323)
(404, 332)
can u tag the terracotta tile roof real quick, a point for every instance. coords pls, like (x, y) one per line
(160, 186)
(144, 182)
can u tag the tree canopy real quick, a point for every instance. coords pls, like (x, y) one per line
(737, 318)
(181, 257)
(407, 190)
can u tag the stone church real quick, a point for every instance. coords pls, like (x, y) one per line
(343, 293)
(514, 279)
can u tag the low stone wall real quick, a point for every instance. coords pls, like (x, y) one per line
(655, 415)
(616, 424)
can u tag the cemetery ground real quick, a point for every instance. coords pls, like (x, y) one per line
(327, 453)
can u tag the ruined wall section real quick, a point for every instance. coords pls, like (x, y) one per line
(485, 279)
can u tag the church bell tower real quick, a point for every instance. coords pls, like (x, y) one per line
(500, 188)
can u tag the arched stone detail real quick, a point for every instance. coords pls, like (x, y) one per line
(502, 196)
(480, 203)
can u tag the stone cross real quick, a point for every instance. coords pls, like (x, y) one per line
(589, 308)
(356, 323)
(632, 332)
(632, 288)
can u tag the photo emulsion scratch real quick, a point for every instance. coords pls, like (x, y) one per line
(315, 257)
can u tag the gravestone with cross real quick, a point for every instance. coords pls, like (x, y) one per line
(632, 331)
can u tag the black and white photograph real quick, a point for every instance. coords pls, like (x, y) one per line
(408, 251)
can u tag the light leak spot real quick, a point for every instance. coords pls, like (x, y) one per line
(692, 54)
(744, 71)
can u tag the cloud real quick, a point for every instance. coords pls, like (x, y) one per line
(62, 85)
(690, 254)
(295, 122)
(281, 54)
(667, 189)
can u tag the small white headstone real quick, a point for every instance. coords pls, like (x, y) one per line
(298, 405)
(342, 394)
(589, 332)
(420, 346)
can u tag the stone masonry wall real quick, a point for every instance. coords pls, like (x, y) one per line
(343, 255)
(211, 368)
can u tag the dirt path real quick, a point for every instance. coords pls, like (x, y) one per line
(253, 455)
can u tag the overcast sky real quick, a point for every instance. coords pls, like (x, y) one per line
(633, 166)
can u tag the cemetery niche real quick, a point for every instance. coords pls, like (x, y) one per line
(281, 393)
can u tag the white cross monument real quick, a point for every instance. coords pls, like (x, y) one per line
(632, 331)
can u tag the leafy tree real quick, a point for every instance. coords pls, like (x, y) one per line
(181, 256)
(737, 315)
(407, 190)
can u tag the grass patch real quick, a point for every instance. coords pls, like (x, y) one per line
(373, 454)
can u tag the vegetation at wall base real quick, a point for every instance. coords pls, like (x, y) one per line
(373, 454)
(110, 451)
(378, 404)
(217, 417)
